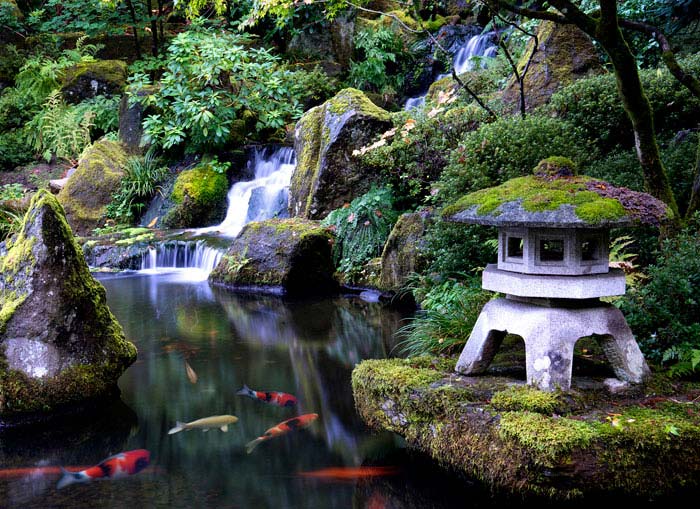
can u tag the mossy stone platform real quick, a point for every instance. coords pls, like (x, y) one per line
(522, 441)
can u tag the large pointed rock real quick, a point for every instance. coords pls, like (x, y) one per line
(59, 343)
(327, 174)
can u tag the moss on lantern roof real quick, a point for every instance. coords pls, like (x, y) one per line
(556, 197)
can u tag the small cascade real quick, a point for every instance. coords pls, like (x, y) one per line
(195, 256)
(262, 198)
(477, 46)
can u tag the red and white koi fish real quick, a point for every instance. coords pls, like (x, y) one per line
(114, 467)
(283, 427)
(273, 397)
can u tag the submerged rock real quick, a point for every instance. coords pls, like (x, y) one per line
(327, 174)
(288, 256)
(89, 190)
(59, 342)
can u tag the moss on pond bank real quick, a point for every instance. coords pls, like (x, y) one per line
(562, 445)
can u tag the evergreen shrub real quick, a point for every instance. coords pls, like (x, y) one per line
(593, 105)
(663, 313)
(507, 148)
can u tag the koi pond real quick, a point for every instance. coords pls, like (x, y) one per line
(198, 346)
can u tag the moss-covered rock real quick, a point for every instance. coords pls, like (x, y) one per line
(525, 443)
(402, 252)
(59, 343)
(89, 79)
(555, 195)
(564, 54)
(327, 174)
(288, 256)
(90, 187)
(199, 196)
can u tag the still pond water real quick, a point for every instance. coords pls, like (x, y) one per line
(307, 348)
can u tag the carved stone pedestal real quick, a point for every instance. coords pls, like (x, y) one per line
(550, 334)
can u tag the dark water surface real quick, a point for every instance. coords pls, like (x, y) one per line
(306, 348)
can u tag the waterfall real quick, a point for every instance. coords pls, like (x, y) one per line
(477, 46)
(194, 259)
(262, 198)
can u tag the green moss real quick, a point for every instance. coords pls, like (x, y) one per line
(539, 194)
(527, 398)
(113, 72)
(89, 190)
(351, 99)
(637, 450)
(199, 195)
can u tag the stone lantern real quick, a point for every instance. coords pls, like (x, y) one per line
(553, 236)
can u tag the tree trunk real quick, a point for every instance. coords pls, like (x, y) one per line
(694, 204)
(135, 27)
(154, 28)
(636, 105)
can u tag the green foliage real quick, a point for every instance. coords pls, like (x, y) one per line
(413, 154)
(593, 105)
(41, 74)
(92, 18)
(60, 130)
(507, 148)
(14, 150)
(10, 217)
(104, 112)
(382, 59)
(664, 312)
(9, 19)
(210, 81)
(361, 229)
(454, 248)
(137, 187)
(621, 167)
(450, 310)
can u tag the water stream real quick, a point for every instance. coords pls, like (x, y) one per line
(263, 197)
(465, 59)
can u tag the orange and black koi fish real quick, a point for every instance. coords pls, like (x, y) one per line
(283, 427)
(273, 397)
(349, 473)
(114, 467)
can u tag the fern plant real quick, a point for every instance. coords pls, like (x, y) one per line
(60, 130)
(361, 229)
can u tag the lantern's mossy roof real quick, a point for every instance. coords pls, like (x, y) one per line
(557, 199)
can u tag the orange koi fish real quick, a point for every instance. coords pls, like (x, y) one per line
(349, 473)
(114, 467)
(273, 397)
(283, 427)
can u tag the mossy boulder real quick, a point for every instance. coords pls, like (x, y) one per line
(521, 442)
(327, 174)
(89, 79)
(564, 54)
(402, 252)
(89, 189)
(199, 197)
(285, 256)
(554, 196)
(59, 343)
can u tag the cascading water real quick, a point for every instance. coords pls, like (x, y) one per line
(193, 259)
(464, 60)
(264, 197)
